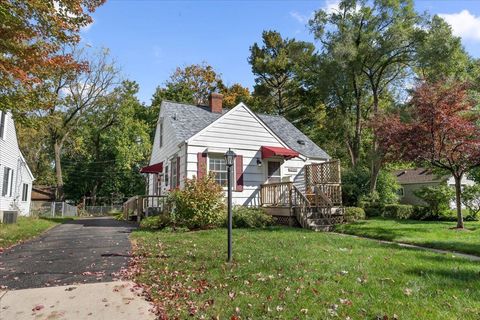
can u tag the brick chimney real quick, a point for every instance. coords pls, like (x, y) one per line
(215, 102)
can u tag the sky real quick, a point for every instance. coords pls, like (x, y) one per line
(150, 38)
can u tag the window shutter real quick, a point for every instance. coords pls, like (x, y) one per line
(201, 165)
(178, 172)
(239, 173)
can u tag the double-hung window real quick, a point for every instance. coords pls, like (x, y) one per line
(7, 182)
(218, 167)
(173, 169)
(160, 137)
(25, 192)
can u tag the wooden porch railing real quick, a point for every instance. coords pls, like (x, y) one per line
(140, 206)
(276, 194)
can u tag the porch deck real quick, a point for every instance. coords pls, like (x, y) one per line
(319, 208)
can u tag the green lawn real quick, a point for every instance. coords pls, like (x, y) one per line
(24, 228)
(287, 273)
(433, 234)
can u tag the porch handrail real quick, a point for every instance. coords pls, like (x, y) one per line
(276, 194)
(301, 206)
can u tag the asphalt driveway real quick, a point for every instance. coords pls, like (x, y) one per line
(78, 251)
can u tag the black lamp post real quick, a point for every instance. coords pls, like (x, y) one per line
(229, 159)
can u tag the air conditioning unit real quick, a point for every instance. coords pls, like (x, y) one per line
(8, 217)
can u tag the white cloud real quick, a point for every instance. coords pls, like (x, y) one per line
(87, 27)
(303, 19)
(464, 24)
(330, 6)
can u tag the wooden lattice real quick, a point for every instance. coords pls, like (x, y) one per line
(322, 173)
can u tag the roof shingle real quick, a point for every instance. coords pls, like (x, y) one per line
(191, 119)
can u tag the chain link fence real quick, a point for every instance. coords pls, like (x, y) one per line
(52, 209)
(98, 211)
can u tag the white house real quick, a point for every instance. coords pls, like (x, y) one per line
(191, 141)
(15, 176)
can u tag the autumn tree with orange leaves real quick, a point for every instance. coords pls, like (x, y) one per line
(32, 33)
(442, 129)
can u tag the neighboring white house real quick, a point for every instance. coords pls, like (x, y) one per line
(411, 180)
(190, 141)
(15, 176)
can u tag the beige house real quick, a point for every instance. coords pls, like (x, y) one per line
(411, 180)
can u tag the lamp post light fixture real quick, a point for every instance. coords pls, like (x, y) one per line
(229, 159)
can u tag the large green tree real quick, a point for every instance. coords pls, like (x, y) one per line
(69, 96)
(113, 143)
(371, 48)
(276, 64)
(440, 54)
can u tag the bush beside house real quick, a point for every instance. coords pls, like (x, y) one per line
(353, 214)
(200, 204)
(245, 217)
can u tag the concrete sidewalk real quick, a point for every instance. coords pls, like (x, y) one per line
(107, 300)
(467, 256)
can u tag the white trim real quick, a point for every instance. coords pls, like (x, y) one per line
(221, 155)
(280, 168)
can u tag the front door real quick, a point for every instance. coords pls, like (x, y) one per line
(273, 171)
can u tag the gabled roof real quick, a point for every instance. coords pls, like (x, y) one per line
(418, 175)
(188, 120)
(293, 137)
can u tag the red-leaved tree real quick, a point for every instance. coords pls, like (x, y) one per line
(442, 130)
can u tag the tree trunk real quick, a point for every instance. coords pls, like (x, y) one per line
(353, 158)
(376, 156)
(375, 168)
(458, 202)
(57, 147)
(94, 194)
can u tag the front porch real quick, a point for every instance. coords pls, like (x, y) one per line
(316, 205)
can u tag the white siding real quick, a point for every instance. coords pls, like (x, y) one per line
(10, 156)
(169, 149)
(245, 135)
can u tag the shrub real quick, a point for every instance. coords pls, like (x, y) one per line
(199, 205)
(354, 214)
(356, 187)
(156, 222)
(437, 198)
(246, 217)
(471, 201)
(421, 213)
(398, 211)
(373, 210)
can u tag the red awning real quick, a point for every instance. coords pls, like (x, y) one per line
(268, 152)
(154, 168)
